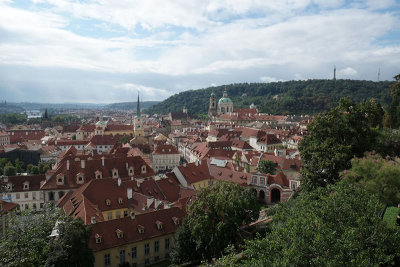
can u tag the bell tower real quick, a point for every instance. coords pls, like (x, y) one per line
(138, 124)
(212, 109)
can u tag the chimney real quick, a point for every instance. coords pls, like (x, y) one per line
(157, 203)
(197, 163)
(93, 220)
(102, 161)
(132, 214)
(126, 165)
(119, 181)
(83, 164)
(129, 192)
(67, 165)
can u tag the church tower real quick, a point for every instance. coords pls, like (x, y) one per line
(212, 109)
(138, 123)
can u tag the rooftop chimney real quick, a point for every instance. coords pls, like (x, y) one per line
(102, 161)
(129, 192)
(93, 220)
(83, 164)
(67, 165)
(119, 181)
(132, 214)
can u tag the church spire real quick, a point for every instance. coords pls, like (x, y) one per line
(138, 106)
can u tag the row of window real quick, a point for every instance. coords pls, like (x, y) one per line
(26, 195)
(122, 253)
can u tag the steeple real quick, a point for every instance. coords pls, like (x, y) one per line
(334, 73)
(138, 106)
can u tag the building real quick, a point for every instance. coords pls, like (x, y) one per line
(7, 210)
(212, 109)
(25, 191)
(271, 188)
(4, 138)
(138, 122)
(165, 157)
(194, 175)
(225, 104)
(137, 239)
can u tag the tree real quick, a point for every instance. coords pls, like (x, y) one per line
(184, 246)
(378, 176)
(267, 166)
(43, 167)
(19, 166)
(35, 170)
(339, 225)
(335, 137)
(124, 139)
(392, 115)
(71, 248)
(215, 218)
(9, 170)
(29, 168)
(28, 241)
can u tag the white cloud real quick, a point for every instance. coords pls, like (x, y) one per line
(267, 79)
(346, 72)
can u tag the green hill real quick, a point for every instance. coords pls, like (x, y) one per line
(291, 97)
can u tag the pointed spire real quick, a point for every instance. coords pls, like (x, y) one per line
(138, 106)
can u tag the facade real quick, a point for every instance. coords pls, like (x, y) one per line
(225, 104)
(194, 175)
(165, 157)
(271, 188)
(25, 191)
(138, 122)
(4, 138)
(137, 240)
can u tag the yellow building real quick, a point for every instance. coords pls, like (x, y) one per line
(138, 239)
(194, 175)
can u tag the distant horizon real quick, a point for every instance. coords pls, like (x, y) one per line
(106, 51)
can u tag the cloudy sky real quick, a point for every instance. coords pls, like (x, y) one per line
(104, 51)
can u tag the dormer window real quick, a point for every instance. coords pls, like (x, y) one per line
(144, 169)
(120, 233)
(159, 225)
(140, 229)
(115, 173)
(9, 186)
(98, 238)
(60, 179)
(108, 202)
(79, 178)
(98, 175)
(175, 220)
(120, 200)
(26, 186)
(131, 171)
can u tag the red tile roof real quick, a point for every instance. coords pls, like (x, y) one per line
(107, 230)
(33, 181)
(7, 206)
(17, 136)
(165, 149)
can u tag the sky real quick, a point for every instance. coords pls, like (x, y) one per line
(104, 51)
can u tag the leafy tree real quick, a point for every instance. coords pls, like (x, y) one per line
(29, 168)
(378, 176)
(388, 142)
(184, 246)
(392, 115)
(267, 166)
(28, 242)
(339, 225)
(43, 167)
(9, 170)
(35, 170)
(13, 118)
(71, 249)
(19, 166)
(215, 218)
(3, 162)
(124, 139)
(335, 137)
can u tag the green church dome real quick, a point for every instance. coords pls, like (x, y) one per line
(225, 100)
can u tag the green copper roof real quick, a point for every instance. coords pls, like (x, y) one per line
(213, 95)
(101, 122)
(225, 100)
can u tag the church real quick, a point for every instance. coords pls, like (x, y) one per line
(225, 105)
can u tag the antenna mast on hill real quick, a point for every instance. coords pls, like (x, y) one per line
(379, 74)
(334, 72)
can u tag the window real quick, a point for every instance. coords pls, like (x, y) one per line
(147, 249)
(156, 246)
(156, 258)
(122, 256)
(262, 181)
(118, 214)
(134, 253)
(146, 261)
(293, 186)
(26, 195)
(120, 233)
(34, 206)
(166, 243)
(254, 179)
(108, 202)
(107, 260)
(125, 213)
(109, 216)
(33, 195)
(17, 195)
(120, 201)
(167, 255)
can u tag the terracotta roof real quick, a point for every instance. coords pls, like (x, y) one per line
(165, 149)
(25, 135)
(87, 128)
(92, 164)
(32, 180)
(7, 206)
(119, 127)
(282, 163)
(107, 230)
(195, 173)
